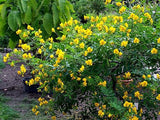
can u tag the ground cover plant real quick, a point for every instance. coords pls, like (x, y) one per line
(6, 113)
(109, 64)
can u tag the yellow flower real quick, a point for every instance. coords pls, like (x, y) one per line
(104, 19)
(127, 75)
(53, 117)
(39, 51)
(96, 104)
(86, 17)
(23, 69)
(109, 115)
(81, 69)
(122, 9)
(154, 51)
(42, 41)
(138, 95)
(81, 45)
(112, 29)
(120, 53)
(89, 62)
(116, 51)
(78, 78)
(31, 82)
(53, 30)
(118, 4)
(143, 76)
(158, 40)
(104, 106)
(134, 118)
(18, 31)
(37, 113)
(89, 49)
(124, 43)
(63, 37)
(19, 72)
(4, 59)
(144, 83)
(158, 76)
(100, 113)
(103, 83)
(149, 76)
(51, 56)
(26, 47)
(25, 56)
(76, 41)
(85, 53)
(122, 28)
(30, 28)
(158, 97)
(128, 104)
(84, 84)
(136, 40)
(102, 42)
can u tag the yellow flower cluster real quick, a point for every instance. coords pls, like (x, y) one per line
(34, 110)
(30, 28)
(154, 51)
(144, 83)
(118, 4)
(26, 56)
(124, 43)
(138, 95)
(102, 83)
(128, 104)
(84, 82)
(38, 33)
(107, 2)
(100, 113)
(158, 97)
(136, 40)
(22, 70)
(5, 58)
(149, 17)
(42, 101)
(18, 31)
(122, 9)
(125, 95)
(25, 47)
(89, 62)
(102, 42)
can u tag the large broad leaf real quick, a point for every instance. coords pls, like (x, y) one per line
(28, 15)
(24, 5)
(2, 24)
(12, 20)
(48, 23)
(55, 13)
(3, 11)
(33, 4)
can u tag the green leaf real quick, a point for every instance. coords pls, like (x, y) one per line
(3, 11)
(28, 15)
(47, 23)
(12, 44)
(24, 5)
(33, 4)
(12, 20)
(2, 25)
(55, 13)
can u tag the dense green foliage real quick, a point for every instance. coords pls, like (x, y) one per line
(44, 14)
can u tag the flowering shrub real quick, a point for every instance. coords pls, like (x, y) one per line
(90, 62)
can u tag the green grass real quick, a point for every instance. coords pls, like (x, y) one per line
(2, 65)
(6, 113)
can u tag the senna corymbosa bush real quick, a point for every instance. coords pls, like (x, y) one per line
(108, 63)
